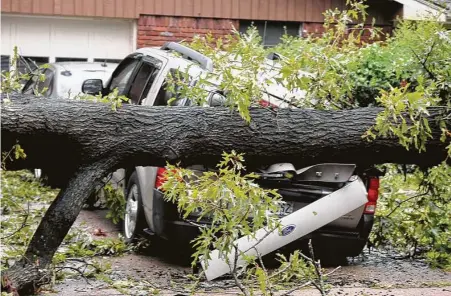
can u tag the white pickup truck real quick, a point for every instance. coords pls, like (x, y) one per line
(142, 77)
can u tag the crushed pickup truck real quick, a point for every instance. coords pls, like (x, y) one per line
(336, 192)
(317, 196)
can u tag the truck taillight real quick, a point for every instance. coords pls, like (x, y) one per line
(266, 104)
(161, 178)
(373, 195)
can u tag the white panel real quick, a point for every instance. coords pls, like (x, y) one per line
(110, 39)
(30, 35)
(414, 10)
(6, 37)
(67, 37)
(70, 38)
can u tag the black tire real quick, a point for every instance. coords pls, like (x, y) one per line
(133, 198)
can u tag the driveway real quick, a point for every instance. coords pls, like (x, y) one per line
(154, 271)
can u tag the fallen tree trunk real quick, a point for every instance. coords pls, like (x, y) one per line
(81, 142)
(65, 134)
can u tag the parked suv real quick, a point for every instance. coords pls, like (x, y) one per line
(142, 76)
(64, 80)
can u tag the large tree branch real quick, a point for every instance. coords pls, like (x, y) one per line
(64, 134)
(30, 272)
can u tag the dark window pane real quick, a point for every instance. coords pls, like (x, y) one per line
(5, 63)
(47, 84)
(271, 32)
(143, 80)
(71, 60)
(165, 95)
(122, 74)
(34, 83)
(116, 61)
(29, 64)
(30, 85)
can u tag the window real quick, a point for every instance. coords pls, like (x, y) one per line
(122, 74)
(271, 32)
(142, 82)
(115, 61)
(46, 84)
(29, 86)
(5, 63)
(35, 83)
(58, 60)
(29, 64)
(165, 96)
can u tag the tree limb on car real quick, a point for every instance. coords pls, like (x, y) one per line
(81, 142)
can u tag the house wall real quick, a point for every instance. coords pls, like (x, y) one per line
(271, 10)
(156, 30)
(160, 21)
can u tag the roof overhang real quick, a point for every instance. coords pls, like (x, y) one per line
(422, 9)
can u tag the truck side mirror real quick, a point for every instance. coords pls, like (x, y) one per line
(92, 86)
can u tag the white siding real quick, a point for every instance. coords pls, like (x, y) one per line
(415, 10)
(67, 37)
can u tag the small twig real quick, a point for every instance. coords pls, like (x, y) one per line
(423, 62)
(233, 271)
(195, 224)
(317, 266)
(308, 283)
(83, 261)
(408, 199)
(296, 288)
(24, 223)
(260, 240)
(268, 282)
(74, 269)
(275, 274)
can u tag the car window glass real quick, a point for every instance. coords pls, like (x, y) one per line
(170, 95)
(45, 87)
(142, 82)
(122, 75)
(30, 85)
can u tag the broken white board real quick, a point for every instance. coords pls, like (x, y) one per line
(294, 226)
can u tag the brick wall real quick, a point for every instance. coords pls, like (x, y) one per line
(156, 30)
(316, 29)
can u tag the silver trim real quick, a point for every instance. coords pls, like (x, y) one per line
(188, 53)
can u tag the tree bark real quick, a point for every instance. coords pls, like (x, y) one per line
(81, 142)
(62, 135)
(28, 274)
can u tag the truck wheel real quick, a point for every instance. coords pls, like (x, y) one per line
(134, 221)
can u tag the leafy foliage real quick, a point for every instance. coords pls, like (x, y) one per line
(24, 202)
(235, 206)
(115, 202)
(12, 81)
(113, 98)
(16, 151)
(413, 214)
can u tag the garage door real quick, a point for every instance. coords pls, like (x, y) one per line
(50, 39)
